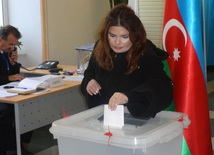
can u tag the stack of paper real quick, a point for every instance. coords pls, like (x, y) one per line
(30, 85)
(21, 90)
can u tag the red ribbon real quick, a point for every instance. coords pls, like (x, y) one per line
(109, 134)
(64, 113)
(181, 120)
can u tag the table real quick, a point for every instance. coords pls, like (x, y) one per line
(36, 110)
(39, 72)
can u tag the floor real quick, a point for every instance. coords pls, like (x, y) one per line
(210, 86)
(42, 142)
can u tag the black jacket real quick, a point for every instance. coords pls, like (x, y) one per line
(4, 73)
(149, 89)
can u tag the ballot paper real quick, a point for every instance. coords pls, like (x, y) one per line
(114, 118)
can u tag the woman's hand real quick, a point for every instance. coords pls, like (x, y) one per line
(117, 98)
(93, 87)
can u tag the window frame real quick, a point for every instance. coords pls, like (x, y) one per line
(3, 12)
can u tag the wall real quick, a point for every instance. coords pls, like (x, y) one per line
(25, 15)
(72, 23)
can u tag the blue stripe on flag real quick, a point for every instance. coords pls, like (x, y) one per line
(191, 13)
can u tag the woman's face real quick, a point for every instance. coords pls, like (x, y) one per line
(118, 38)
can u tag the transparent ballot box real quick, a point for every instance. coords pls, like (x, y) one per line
(83, 56)
(85, 134)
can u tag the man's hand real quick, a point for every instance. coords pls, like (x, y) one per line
(13, 57)
(15, 77)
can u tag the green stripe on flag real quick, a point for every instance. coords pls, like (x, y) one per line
(166, 69)
(185, 148)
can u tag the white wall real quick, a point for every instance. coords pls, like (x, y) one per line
(25, 15)
(70, 23)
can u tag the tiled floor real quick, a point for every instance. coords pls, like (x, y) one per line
(42, 142)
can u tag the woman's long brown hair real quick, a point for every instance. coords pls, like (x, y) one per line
(124, 16)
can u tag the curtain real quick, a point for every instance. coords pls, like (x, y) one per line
(209, 26)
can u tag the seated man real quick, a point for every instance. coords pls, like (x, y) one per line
(9, 71)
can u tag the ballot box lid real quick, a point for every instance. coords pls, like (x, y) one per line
(136, 133)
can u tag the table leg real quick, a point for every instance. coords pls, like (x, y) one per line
(17, 122)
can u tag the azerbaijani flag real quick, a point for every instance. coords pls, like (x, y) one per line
(183, 40)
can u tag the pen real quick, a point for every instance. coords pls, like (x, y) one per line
(7, 87)
(21, 87)
(99, 93)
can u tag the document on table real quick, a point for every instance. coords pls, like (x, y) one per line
(26, 86)
(34, 82)
(74, 78)
(114, 117)
(30, 85)
(4, 93)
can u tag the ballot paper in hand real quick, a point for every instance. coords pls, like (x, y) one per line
(114, 118)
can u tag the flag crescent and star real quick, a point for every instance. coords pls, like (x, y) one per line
(170, 24)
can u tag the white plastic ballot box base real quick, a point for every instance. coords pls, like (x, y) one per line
(69, 146)
(84, 134)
